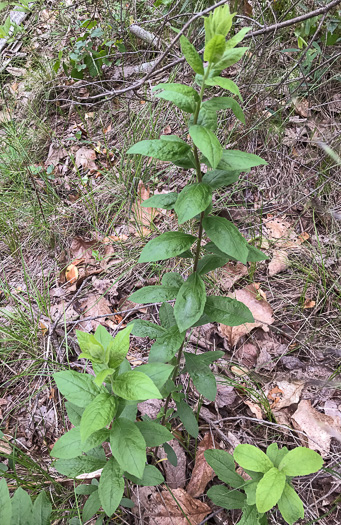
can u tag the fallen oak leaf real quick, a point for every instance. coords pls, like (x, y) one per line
(254, 298)
(176, 508)
(85, 158)
(278, 263)
(230, 274)
(94, 306)
(202, 472)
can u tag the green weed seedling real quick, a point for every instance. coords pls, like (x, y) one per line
(20, 509)
(92, 407)
(270, 483)
(193, 207)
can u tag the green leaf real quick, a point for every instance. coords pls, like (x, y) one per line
(22, 509)
(167, 245)
(161, 149)
(227, 237)
(74, 413)
(151, 477)
(166, 315)
(102, 375)
(232, 42)
(68, 445)
(157, 372)
(103, 337)
(193, 199)
(135, 385)
(42, 509)
(214, 49)
(178, 88)
(233, 159)
(5, 503)
(72, 468)
(171, 456)
(202, 377)
(223, 465)
(275, 454)
(207, 143)
(269, 489)
(128, 446)
(252, 458)
(190, 302)
(166, 346)
(206, 118)
(111, 486)
(224, 83)
(211, 262)
(91, 506)
(126, 502)
(188, 419)
(183, 102)
(119, 347)
(154, 294)
(218, 103)
(301, 461)
(250, 491)
(290, 505)
(255, 255)
(78, 388)
(85, 490)
(90, 345)
(226, 498)
(172, 279)
(143, 328)
(191, 55)
(220, 21)
(227, 311)
(219, 178)
(250, 516)
(153, 433)
(164, 201)
(230, 57)
(98, 414)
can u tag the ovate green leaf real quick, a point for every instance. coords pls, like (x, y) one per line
(238, 160)
(227, 311)
(151, 477)
(153, 433)
(224, 83)
(193, 199)
(154, 294)
(191, 55)
(178, 88)
(226, 236)
(201, 375)
(166, 346)
(214, 49)
(135, 385)
(290, 505)
(78, 388)
(301, 461)
(218, 103)
(269, 489)
(252, 458)
(183, 102)
(5, 503)
(207, 143)
(211, 262)
(142, 328)
(128, 446)
(230, 57)
(42, 509)
(190, 302)
(219, 178)
(161, 149)
(91, 506)
(111, 486)
(164, 201)
(22, 508)
(158, 372)
(226, 498)
(98, 414)
(167, 245)
(72, 468)
(232, 42)
(188, 419)
(223, 465)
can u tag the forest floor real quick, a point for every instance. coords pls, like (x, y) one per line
(72, 228)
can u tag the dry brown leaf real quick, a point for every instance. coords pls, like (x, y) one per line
(103, 286)
(85, 158)
(202, 472)
(301, 106)
(255, 409)
(309, 303)
(93, 306)
(163, 508)
(226, 395)
(253, 297)
(247, 355)
(57, 310)
(175, 476)
(81, 249)
(278, 263)
(281, 230)
(143, 216)
(319, 427)
(167, 130)
(285, 394)
(264, 360)
(55, 154)
(230, 274)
